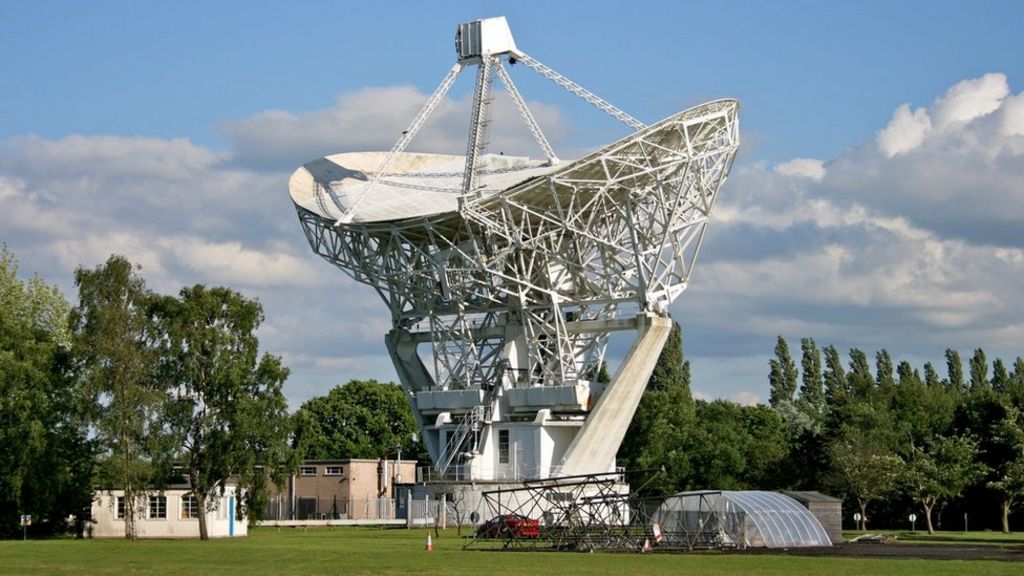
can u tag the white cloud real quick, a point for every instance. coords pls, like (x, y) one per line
(905, 131)
(1012, 120)
(373, 119)
(802, 168)
(968, 100)
(911, 245)
(745, 398)
(231, 263)
(911, 242)
(957, 118)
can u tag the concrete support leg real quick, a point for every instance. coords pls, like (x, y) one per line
(593, 450)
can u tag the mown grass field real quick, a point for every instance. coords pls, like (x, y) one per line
(398, 551)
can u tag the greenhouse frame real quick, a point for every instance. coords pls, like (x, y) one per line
(736, 519)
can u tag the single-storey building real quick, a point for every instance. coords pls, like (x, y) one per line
(349, 488)
(827, 509)
(170, 513)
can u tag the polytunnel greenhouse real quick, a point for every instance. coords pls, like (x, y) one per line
(739, 519)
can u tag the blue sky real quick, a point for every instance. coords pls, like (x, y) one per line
(166, 131)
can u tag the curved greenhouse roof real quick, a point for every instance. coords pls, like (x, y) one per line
(738, 519)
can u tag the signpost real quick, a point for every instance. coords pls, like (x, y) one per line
(26, 521)
(913, 519)
(856, 518)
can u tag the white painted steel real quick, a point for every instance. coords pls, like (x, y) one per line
(514, 271)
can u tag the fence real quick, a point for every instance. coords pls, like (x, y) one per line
(337, 508)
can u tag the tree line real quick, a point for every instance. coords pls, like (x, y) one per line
(132, 390)
(890, 438)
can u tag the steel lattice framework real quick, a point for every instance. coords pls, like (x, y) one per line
(520, 286)
(620, 228)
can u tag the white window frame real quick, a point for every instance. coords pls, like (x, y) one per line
(504, 446)
(120, 507)
(160, 503)
(189, 507)
(307, 470)
(334, 470)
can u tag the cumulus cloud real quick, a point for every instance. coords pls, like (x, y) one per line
(231, 263)
(905, 131)
(950, 114)
(186, 214)
(373, 119)
(969, 99)
(910, 243)
(802, 168)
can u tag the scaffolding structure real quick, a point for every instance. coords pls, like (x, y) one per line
(582, 513)
(596, 512)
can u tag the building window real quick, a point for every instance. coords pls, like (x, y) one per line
(158, 507)
(333, 471)
(307, 471)
(189, 507)
(120, 508)
(502, 446)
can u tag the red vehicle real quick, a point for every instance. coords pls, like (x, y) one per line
(509, 526)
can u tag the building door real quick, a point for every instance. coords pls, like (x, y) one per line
(402, 492)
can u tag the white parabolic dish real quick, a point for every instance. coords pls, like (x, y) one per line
(512, 272)
(420, 185)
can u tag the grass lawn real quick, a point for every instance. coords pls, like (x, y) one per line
(399, 551)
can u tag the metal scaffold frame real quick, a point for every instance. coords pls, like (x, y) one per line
(579, 513)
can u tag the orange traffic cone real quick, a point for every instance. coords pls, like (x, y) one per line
(430, 543)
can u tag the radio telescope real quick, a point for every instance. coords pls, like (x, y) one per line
(506, 275)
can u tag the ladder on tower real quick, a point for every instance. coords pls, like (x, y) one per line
(469, 424)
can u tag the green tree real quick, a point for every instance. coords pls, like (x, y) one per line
(884, 381)
(931, 376)
(979, 370)
(114, 348)
(1009, 473)
(909, 404)
(45, 456)
(361, 419)
(812, 393)
(1000, 377)
(836, 385)
(862, 383)
(782, 376)
(954, 371)
(672, 370)
(224, 406)
(766, 448)
(864, 467)
(941, 470)
(661, 428)
(719, 448)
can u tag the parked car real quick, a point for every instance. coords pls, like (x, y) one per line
(509, 526)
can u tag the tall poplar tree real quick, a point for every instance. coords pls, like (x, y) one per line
(954, 371)
(782, 376)
(812, 390)
(979, 370)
